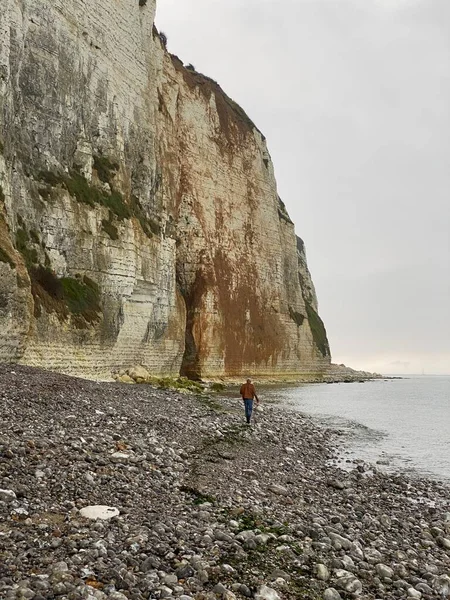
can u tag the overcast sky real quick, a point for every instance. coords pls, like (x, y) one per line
(354, 99)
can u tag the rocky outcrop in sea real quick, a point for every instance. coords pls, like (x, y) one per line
(120, 492)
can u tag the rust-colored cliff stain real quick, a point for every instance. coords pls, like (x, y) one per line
(252, 336)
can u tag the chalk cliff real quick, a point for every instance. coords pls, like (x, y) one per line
(139, 216)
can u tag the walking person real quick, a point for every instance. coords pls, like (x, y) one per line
(248, 393)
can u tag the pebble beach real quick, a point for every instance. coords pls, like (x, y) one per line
(131, 492)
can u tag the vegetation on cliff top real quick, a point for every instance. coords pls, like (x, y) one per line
(228, 110)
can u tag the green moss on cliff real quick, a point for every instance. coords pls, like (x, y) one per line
(86, 193)
(51, 178)
(149, 226)
(34, 236)
(25, 246)
(79, 188)
(2, 195)
(116, 205)
(297, 317)
(105, 168)
(82, 297)
(110, 229)
(318, 330)
(79, 296)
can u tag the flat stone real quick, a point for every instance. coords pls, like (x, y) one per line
(99, 512)
(120, 457)
(278, 489)
(222, 536)
(337, 484)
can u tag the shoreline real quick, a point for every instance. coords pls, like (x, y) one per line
(208, 508)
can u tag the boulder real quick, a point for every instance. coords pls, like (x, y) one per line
(139, 373)
(125, 379)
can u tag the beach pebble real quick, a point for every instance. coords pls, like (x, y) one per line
(266, 593)
(201, 502)
(278, 489)
(322, 572)
(331, 594)
(7, 495)
(99, 512)
(384, 571)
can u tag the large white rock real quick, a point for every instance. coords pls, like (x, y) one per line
(99, 511)
(120, 456)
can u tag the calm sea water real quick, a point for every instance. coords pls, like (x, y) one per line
(404, 424)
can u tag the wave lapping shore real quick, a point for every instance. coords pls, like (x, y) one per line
(205, 507)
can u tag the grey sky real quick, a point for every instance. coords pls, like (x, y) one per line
(354, 99)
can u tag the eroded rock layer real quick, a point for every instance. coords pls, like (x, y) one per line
(139, 217)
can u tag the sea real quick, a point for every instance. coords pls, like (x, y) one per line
(401, 425)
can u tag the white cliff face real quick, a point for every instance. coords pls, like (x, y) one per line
(139, 218)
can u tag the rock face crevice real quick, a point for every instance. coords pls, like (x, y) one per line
(139, 216)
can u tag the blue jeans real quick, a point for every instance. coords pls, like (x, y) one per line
(248, 408)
